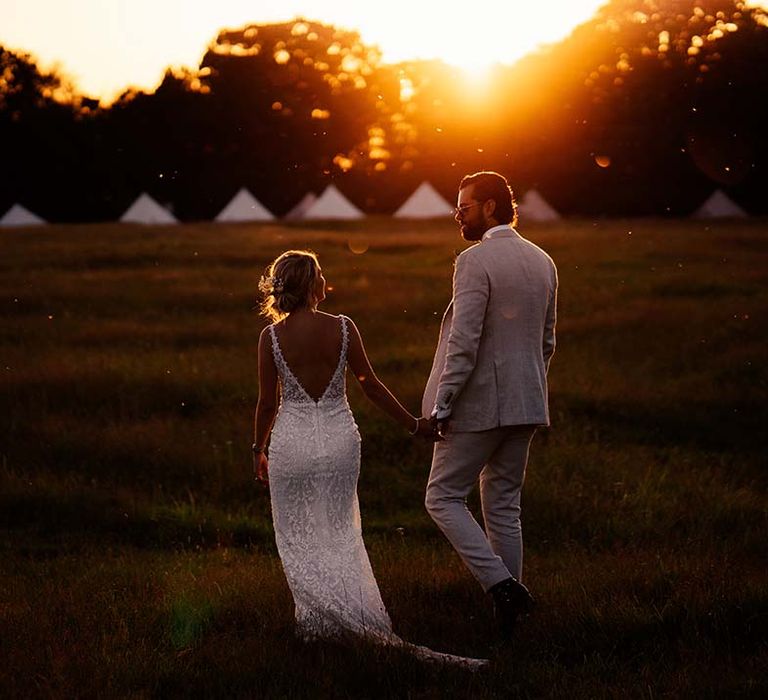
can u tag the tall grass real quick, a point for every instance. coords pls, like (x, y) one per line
(137, 553)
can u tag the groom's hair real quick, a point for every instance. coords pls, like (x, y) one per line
(491, 185)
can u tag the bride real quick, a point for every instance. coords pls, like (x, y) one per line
(314, 456)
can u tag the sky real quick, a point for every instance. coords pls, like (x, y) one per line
(105, 46)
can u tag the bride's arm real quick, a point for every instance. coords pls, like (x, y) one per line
(266, 406)
(375, 389)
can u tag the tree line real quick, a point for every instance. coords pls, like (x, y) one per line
(643, 110)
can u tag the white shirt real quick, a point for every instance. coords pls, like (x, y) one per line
(489, 233)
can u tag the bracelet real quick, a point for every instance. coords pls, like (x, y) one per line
(415, 428)
(256, 449)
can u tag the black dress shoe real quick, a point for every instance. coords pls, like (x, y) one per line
(510, 599)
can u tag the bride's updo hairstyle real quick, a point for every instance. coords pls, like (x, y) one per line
(288, 284)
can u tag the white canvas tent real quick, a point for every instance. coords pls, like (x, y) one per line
(146, 210)
(244, 207)
(719, 205)
(332, 204)
(300, 209)
(534, 207)
(425, 203)
(19, 216)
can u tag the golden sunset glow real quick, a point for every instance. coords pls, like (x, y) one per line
(106, 47)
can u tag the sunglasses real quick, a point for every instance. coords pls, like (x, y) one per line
(460, 211)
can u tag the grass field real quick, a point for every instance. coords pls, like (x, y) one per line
(136, 553)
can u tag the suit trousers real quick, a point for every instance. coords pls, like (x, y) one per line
(497, 457)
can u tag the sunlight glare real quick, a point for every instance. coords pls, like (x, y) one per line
(476, 73)
(107, 46)
(473, 37)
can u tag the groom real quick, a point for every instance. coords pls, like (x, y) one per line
(487, 391)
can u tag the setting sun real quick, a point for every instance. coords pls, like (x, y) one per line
(472, 37)
(106, 47)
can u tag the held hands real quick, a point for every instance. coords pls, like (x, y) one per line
(440, 427)
(427, 429)
(261, 468)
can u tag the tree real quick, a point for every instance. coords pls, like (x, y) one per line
(288, 106)
(38, 123)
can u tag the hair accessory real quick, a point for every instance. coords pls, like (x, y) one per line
(271, 285)
(276, 284)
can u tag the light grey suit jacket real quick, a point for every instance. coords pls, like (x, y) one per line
(497, 337)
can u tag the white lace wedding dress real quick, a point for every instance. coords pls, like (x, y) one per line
(314, 463)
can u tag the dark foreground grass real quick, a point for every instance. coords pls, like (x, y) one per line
(136, 554)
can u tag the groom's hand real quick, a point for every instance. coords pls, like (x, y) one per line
(427, 430)
(434, 426)
(441, 426)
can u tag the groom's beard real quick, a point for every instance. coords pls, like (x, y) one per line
(470, 232)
